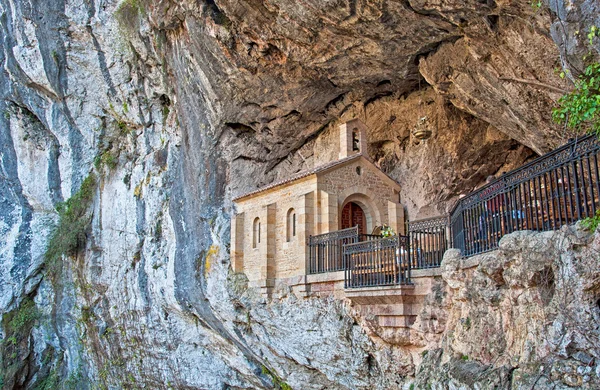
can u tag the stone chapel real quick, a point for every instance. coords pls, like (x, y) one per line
(272, 225)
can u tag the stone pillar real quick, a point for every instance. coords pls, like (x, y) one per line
(268, 249)
(396, 217)
(317, 214)
(271, 240)
(306, 228)
(328, 212)
(237, 242)
(261, 251)
(306, 213)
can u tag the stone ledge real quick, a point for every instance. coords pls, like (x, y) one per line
(325, 277)
(380, 294)
(425, 273)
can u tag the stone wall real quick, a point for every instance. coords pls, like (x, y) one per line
(521, 317)
(275, 257)
(376, 193)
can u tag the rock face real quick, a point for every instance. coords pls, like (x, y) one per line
(522, 318)
(176, 106)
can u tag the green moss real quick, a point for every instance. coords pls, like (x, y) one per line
(50, 382)
(127, 180)
(165, 113)
(22, 317)
(467, 323)
(14, 349)
(74, 380)
(137, 256)
(464, 358)
(123, 128)
(87, 314)
(108, 158)
(158, 229)
(277, 381)
(128, 15)
(70, 234)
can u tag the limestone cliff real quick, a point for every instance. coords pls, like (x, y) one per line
(173, 107)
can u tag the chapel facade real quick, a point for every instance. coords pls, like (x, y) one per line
(272, 225)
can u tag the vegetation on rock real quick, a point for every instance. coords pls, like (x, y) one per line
(70, 234)
(580, 109)
(14, 348)
(277, 381)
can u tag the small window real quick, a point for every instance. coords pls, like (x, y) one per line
(355, 141)
(256, 233)
(291, 224)
(358, 171)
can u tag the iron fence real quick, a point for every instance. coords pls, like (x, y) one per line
(558, 188)
(325, 250)
(378, 262)
(428, 241)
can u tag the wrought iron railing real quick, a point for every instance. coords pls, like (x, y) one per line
(378, 262)
(428, 241)
(325, 250)
(558, 188)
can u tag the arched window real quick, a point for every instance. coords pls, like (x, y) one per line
(291, 224)
(355, 141)
(256, 233)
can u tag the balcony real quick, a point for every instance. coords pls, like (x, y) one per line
(367, 260)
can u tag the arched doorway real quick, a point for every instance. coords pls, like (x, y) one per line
(354, 215)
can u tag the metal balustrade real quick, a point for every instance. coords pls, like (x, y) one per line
(378, 262)
(558, 188)
(325, 250)
(428, 241)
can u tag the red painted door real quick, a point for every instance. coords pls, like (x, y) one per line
(353, 215)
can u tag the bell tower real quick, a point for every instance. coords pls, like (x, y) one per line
(353, 138)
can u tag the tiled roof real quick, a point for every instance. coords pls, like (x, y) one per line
(300, 175)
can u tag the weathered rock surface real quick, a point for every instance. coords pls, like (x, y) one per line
(525, 316)
(175, 106)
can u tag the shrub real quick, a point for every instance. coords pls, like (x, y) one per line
(591, 223)
(70, 234)
(15, 347)
(580, 109)
(107, 158)
(23, 317)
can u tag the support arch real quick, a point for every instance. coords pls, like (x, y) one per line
(367, 204)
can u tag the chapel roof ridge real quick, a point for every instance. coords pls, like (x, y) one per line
(301, 175)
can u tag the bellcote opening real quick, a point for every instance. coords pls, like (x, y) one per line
(353, 139)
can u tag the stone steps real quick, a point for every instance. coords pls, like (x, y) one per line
(393, 309)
